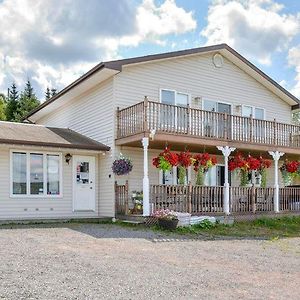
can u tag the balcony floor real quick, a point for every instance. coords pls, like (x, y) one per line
(196, 144)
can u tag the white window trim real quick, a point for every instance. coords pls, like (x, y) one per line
(253, 110)
(28, 195)
(174, 177)
(217, 101)
(176, 92)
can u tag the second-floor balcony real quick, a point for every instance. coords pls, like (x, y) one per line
(149, 116)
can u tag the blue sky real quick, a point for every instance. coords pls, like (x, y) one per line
(52, 42)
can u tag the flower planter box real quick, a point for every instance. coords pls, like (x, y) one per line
(168, 224)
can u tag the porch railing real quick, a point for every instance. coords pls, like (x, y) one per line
(165, 118)
(289, 199)
(209, 199)
(187, 198)
(121, 198)
(251, 199)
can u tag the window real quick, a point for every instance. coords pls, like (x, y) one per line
(174, 98)
(255, 112)
(168, 177)
(214, 125)
(19, 177)
(35, 174)
(171, 116)
(168, 97)
(53, 174)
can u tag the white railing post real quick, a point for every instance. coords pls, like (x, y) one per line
(276, 156)
(146, 187)
(226, 150)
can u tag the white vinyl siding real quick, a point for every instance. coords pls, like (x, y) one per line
(20, 207)
(93, 114)
(196, 75)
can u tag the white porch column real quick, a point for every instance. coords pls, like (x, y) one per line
(276, 156)
(146, 187)
(174, 175)
(226, 150)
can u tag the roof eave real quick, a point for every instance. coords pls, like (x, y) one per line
(55, 145)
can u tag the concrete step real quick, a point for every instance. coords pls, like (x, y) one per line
(134, 219)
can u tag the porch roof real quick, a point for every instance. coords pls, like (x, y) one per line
(39, 135)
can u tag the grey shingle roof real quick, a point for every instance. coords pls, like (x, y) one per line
(39, 135)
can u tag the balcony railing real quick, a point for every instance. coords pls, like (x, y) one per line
(165, 118)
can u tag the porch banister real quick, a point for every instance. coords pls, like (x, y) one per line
(146, 188)
(226, 150)
(276, 156)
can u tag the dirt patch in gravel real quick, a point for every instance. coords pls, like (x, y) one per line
(92, 261)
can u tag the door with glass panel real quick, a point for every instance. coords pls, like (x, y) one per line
(258, 128)
(173, 114)
(216, 176)
(215, 125)
(84, 183)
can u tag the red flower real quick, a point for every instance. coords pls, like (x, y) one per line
(155, 162)
(292, 166)
(204, 160)
(185, 159)
(253, 163)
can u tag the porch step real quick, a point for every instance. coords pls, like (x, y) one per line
(132, 222)
(134, 219)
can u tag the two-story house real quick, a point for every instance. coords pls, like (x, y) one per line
(208, 99)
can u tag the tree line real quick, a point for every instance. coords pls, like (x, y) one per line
(16, 105)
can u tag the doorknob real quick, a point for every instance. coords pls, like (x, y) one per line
(91, 188)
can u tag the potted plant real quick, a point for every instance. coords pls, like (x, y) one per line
(165, 160)
(185, 160)
(202, 163)
(290, 170)
(244, 165)
(167, 219)
(264, 164)
(122, 165)
(137, 200)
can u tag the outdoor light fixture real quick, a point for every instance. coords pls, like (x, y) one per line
(68, 157)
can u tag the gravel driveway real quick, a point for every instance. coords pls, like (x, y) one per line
(91, 261)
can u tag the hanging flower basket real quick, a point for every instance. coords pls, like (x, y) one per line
(202, 163)
(289, 171)
(122, 166)
(185, 160)
(165, 160)
(244, 165)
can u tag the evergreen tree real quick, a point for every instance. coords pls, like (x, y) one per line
(28, 91)
(12, 103)
(53, 92)
(27, 102)
(2, 107)
(47, 94)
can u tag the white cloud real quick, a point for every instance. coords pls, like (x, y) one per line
(257, 28)
(294, 61)
(54, 42)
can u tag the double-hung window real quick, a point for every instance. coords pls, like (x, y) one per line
(214, 125)
(258, 114)
(255, 112)
(174, 113)
(36, 174)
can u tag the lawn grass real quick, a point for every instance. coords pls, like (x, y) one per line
(269, 228)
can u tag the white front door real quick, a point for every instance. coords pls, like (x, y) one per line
(84, 183)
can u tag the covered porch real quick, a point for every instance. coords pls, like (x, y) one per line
(209, 200)
(220, 197)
